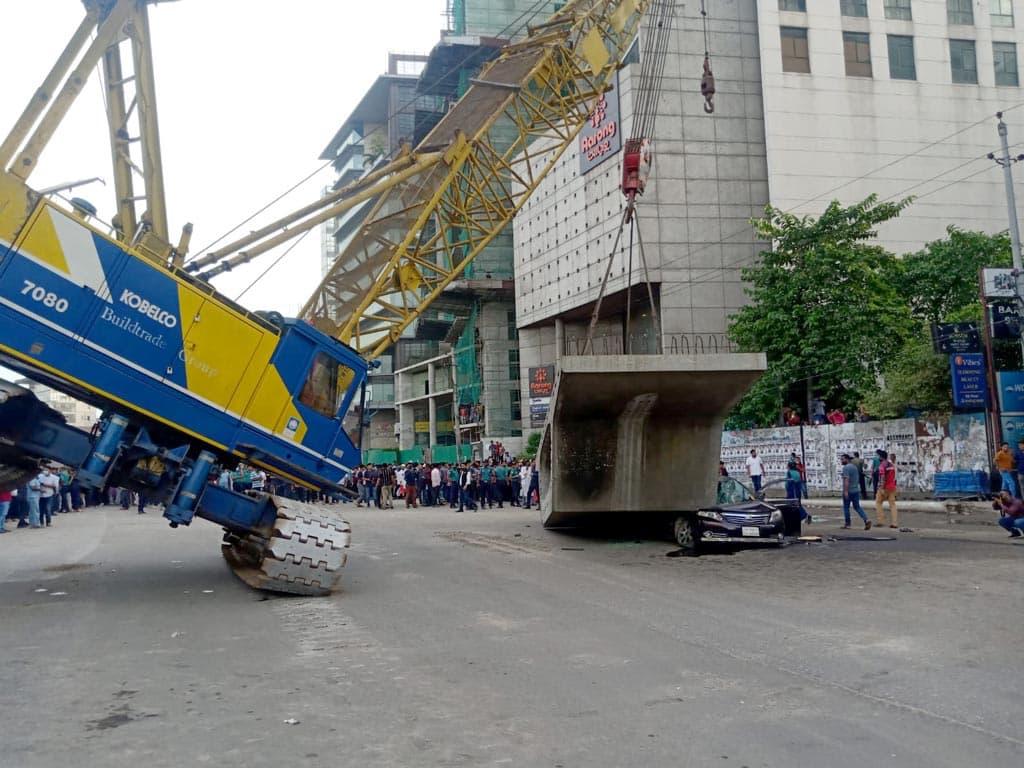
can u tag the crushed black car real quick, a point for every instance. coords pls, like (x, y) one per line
(739, 517)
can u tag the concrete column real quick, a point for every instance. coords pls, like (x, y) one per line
(431, 405)
(559, 339)
(407, 426)
(432, 410)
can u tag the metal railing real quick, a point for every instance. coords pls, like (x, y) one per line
(647, 344)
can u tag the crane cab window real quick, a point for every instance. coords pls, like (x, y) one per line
(326, 385)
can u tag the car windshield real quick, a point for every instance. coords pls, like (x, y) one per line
(732, 491)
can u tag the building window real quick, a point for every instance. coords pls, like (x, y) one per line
(897, 9)
(963, 61)
(901, 58)
(1005, 55)
(513, 332)
(793, 5)
(854, 7)
(1002, 12)
(960, 12)
(857, 52)
(516, 398)
(795, 57)
(513, 364)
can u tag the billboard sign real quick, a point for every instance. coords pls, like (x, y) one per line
(950, 338)
(542, 381)
(1004, 318)
(601, 136)
(539, 407)
(969, 389)
(1011, 391)
(998, 282)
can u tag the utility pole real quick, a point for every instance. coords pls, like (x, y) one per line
(1011, 205)
(1011, 200)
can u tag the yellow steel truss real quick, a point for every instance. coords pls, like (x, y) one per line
(471, 174)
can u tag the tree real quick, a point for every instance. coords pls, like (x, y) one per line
(823, 308)
(940, 282)
(917, 378)
(940, 285)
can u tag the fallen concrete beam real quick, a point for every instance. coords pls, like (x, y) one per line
(637, 434)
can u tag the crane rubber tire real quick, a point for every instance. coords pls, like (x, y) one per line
(303, 556)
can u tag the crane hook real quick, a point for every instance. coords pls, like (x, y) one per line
(707, 86)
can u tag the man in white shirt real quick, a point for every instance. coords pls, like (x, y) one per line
(49, 485)
(435, 486)
(755, 469)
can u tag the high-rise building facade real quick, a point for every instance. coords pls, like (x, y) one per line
(891, 97)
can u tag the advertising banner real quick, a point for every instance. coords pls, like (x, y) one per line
(998, 282)
(542, 381)
(539, 407)
(1011, 391)
(1004, 318)
(950, 338)
(969, 389)
(601, 137)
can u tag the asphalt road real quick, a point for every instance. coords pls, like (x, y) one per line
(481, 639)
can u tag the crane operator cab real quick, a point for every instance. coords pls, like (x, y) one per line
(320, 414)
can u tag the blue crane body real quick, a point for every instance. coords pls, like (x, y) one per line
(187, 380)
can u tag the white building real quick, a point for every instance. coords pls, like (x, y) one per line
(894, 97)
(816, 100)
(75, 412)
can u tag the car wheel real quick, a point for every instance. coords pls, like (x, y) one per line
(684, 531)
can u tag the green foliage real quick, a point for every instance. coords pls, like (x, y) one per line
(823, 307)
(940, 285)
(916, 378)
(532, 445)
(940, 282)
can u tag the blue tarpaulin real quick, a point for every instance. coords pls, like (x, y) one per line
(961, 483)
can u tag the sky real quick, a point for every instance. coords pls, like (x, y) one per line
(249, 94)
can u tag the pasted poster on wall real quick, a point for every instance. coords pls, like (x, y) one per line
(922, 447)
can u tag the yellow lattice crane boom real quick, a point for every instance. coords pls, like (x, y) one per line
(436, 207)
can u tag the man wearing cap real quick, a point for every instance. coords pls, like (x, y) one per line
(851, 491)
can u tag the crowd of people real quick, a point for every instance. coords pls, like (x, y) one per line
(54, 491)
(459, 485)
(854, 474)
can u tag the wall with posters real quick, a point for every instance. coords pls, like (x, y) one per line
(922, 447)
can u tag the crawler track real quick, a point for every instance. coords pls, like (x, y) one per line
(304, 556)
(14, 476)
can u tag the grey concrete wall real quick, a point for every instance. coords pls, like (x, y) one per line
(709, 178)
(637, 435)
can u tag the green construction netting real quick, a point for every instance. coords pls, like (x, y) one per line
(379, 456)
(467, 372)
